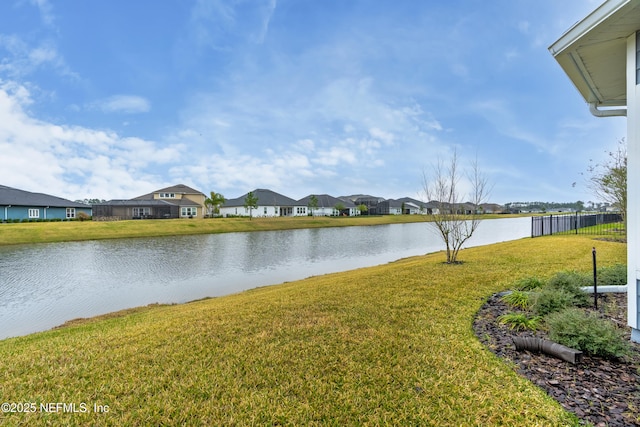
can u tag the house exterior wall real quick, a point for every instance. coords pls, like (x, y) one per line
(265, 211)
(330, 211)
(324, 211)
(633, 188)
(40, 212)
(176, 196)
(196, 198)
(190, 211)
(141, 211)
(260, 211)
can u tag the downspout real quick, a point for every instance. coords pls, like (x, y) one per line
(548, 347)
(593, 108)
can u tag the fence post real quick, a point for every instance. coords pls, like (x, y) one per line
(595, 280)
(532, 230)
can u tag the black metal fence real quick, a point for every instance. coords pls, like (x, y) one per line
(577, 223)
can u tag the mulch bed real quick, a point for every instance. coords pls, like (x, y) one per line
(598, 391)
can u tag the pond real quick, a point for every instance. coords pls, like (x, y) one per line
(44, 285)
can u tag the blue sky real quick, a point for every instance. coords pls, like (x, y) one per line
(113, 98)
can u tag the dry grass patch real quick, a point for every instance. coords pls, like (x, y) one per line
(388, 345)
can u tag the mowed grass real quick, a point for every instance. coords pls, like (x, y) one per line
(43, 232)
(387, 345)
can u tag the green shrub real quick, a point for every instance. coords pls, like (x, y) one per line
(550, 300)
(587, 332)
(616, 275)
(519, 299)
(572, 282)
(528, 284)
(520, 321)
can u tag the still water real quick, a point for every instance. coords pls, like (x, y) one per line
(44, 285)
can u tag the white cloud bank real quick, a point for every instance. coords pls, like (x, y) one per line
(39, 156)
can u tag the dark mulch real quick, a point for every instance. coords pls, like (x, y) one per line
(598, 391)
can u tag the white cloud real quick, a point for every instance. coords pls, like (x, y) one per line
(334, 156)
(45, 157)
(379, 134)
(23, 59)
(46, 11)
(128, 104)
(214, 22)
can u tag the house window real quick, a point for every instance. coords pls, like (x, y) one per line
(140, 212)
(265, 210)
(189, 211)
(167, 195)
(34, 213)
(71, 213)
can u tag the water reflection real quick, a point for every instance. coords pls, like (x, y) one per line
(44, 285)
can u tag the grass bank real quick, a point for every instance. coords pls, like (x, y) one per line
(387, 345)
(44, 232)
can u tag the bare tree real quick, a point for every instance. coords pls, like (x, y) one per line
(455, 220)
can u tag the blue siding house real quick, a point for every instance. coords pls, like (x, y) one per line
(23, 205)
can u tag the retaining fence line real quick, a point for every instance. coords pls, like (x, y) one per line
(575, 223)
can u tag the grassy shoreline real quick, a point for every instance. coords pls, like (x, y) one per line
(48, 232)
(385, 345)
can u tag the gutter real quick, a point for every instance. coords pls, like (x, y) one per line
(593, 108)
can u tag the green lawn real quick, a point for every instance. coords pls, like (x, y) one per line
(387, 345)
(41, 232)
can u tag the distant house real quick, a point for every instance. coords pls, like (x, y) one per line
(492, 208)
(177, 201)
(327, 206)
(371, 202)
(404, 206)
(270, 204)
(23, 205)
(457, 209)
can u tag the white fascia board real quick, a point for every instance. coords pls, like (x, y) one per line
(581, 28)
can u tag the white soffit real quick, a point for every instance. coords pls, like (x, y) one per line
(593, 52)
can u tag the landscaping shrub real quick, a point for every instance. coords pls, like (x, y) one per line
(587, 332)
(550, 300)
(572, 282)
(519, 299)
(520, 321)
(528, 284)
(615, 275)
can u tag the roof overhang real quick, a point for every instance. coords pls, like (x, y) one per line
(593, 53)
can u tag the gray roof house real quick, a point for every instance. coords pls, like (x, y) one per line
(327, 205)
(411, 207)
(20, 205)
(270, 204)
(176, 201)
(371, 202)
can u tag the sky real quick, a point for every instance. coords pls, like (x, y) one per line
(112, 99)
